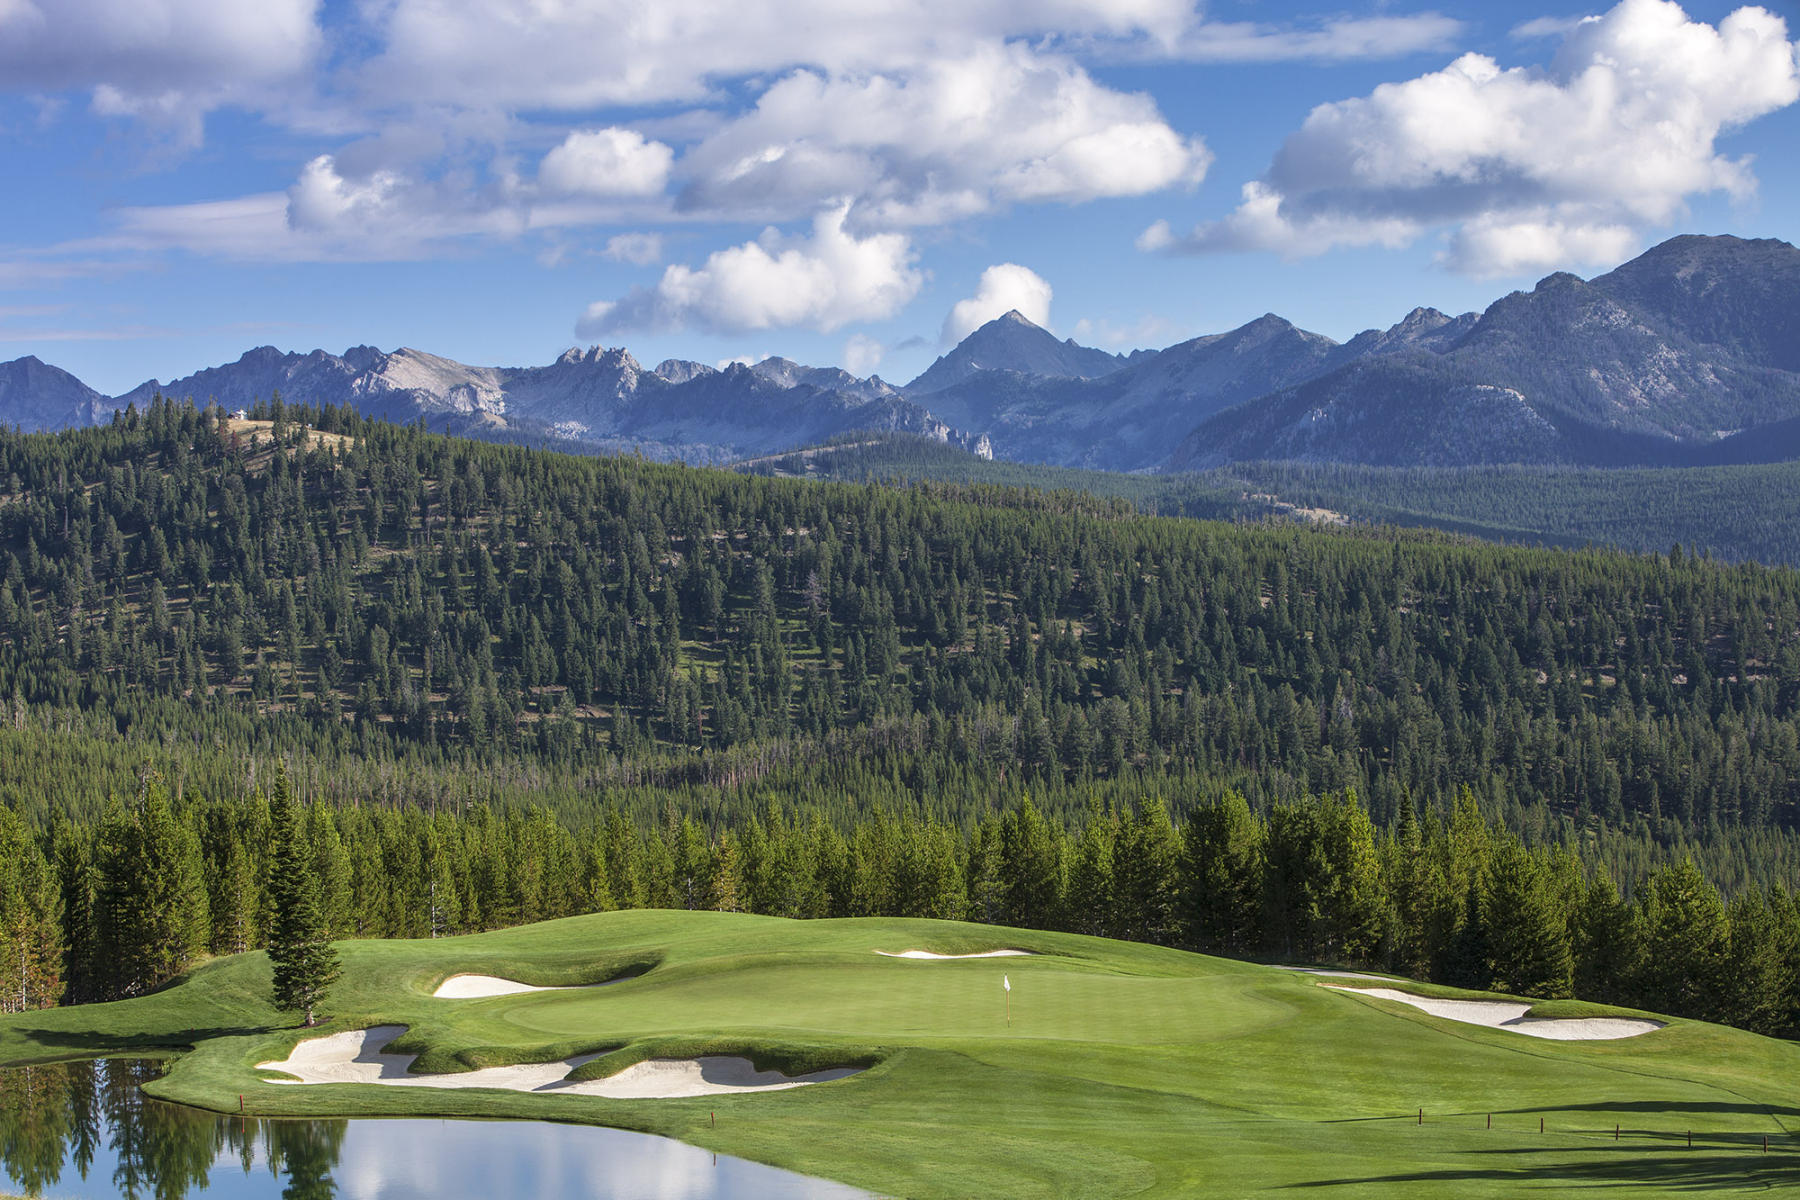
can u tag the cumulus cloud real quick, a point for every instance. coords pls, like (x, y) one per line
(1524, 167)
(862, 354)
(323, 199)
(606, 162)
(954, 137)
(1004, 288)
(638, 249)
(1263, 222)
(525, 54)
(1335, 40)
(328, 214)
(1148, 330)
(168, 61)
(826, 281)
(1511, 245)
(571, 57)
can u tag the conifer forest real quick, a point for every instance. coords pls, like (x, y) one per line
(484, 685)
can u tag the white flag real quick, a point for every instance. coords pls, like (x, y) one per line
(1006, 983)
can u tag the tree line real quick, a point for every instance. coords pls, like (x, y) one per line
(123, 906)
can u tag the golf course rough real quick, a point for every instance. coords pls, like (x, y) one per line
(1126, 1070)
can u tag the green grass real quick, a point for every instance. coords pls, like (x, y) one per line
(1127, 1070)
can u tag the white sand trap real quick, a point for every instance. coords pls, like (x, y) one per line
(1505, 1014)
(480, 987)
(1334, 974)
(357, 1057)
(977, 954)
(711, 1075)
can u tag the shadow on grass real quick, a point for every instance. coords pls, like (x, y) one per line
(1658, 1106)
(1704, 1168)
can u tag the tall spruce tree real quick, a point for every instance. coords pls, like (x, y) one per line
(1527, 929)
(299, 939)
(151, 920)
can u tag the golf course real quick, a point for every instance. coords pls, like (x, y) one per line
(1079, 1067)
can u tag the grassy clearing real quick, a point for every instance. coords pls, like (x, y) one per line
(1126, 1069)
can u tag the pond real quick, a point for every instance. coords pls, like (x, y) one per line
(81, 1130)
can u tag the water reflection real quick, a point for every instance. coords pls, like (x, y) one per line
(81, 1130)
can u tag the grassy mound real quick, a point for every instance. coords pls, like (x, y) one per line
(1126, 1070)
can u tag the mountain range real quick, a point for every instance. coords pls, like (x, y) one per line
(1688, 353)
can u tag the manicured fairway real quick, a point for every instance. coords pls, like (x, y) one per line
(1126, 1070)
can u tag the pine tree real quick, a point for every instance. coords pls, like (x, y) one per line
(1685, 922)
(1528, 932)
(1222, 868)
(299, 941)
(75, 879)
(152, 919)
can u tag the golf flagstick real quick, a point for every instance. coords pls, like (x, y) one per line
(1006, 983)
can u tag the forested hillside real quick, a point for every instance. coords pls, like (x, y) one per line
(372, 588)
(1739, 513)
(515, 684)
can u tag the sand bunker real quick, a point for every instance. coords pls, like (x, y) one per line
(1334, 974)
(480, 987)
(357, 1057)
(977, 954)
(1505, 1014)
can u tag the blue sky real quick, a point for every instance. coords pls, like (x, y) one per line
(496, 180)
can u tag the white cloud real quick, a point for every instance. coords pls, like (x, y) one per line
(1261, 223)
(825, 281)
(638, 249)
(1148, 330)
(951, 138)
(1545, 27)
(1004, 288)
(322, 199)
(528, 54)
(1508, 246)
(1525, 167)
(606, 162)
(1334, 40)
(862, 354)
(576, 56)
(167, 61)
(326, 215)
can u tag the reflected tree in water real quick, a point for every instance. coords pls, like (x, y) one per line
(55, 1119)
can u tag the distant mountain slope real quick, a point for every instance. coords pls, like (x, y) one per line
(1659, 362)
(1128, 419)
(1688, 354)
(600, 397)
(1014, 343)
(35, 395)
(1725, 291)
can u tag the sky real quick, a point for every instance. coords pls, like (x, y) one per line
(854, 184)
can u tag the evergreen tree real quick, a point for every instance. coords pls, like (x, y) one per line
(151, 903)
(305, 964)
(1607, 943)
(1528, 932)
(1222, 868)
(1091, 884)
(31, 950)
(1685, 925)
(1354, 904)
(1146, 861)
(75, 878)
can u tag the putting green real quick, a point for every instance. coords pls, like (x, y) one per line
(1125, 1070)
